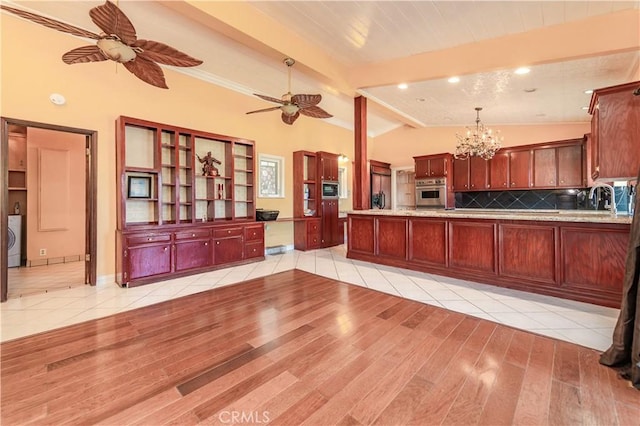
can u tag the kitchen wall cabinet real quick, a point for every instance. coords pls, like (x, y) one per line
(561, 165)
(520, 169)
(328, 168)
(185, 199)
(579, 261)
(615, 132)
(499, 171)
(471, 174)
(433, 166)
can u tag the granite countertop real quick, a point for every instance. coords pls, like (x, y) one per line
(540, 215)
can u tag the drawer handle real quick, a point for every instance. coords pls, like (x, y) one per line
(218, 242)
(165, 249)
(149, 239)
(229, 231)
(193, 235)
(206, 244)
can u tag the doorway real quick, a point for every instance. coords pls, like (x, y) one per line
(88, 258)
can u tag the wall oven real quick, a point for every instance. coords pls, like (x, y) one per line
(330, 190)
(431, 193)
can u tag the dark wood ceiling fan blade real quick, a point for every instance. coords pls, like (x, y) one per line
(270, 99)
(289, 119)
(84, 54)
(51, 23)
(304, 100)
(112, 20)
(147, 71)
(160, 52)
(315, 112)
(263, 110)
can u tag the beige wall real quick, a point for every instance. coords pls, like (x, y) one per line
(55, 195)
(97, 93)
(399, 146)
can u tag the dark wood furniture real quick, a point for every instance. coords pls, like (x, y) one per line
(550, 165)
(574, 260)
(437, 165)
(315, 218)
(178, 213)
(380, 175)
(615, 132)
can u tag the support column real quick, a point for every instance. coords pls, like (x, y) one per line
(360, 169)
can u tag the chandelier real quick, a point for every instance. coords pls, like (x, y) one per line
(478, 142)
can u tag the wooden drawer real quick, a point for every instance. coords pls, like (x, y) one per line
(254, 249)
(227, 232)
(314, 240)
(254, 233)
(133, 240)
(196, 234)
(313, 226)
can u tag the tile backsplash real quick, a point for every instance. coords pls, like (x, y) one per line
(540, 199)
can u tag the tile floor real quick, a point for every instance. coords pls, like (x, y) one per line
(581, 323)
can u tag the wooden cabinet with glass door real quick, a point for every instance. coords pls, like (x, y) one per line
(184, 185)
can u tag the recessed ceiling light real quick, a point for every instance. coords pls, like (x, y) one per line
(57, 99)
(420, 99)
(585, 108)
(522, 70)
(454, 79)
(531, 90)
(588, 92)
(403, 86)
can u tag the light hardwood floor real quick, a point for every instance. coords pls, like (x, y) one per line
(296, 348)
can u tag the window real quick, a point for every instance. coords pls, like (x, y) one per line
(342, 182)
(271, 176)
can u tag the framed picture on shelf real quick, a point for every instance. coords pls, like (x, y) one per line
(139, 187)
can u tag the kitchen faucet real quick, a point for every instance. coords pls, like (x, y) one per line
(612, 208)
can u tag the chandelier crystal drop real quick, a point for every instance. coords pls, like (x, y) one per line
(480, 141)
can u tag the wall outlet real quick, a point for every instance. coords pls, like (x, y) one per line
(43, 252)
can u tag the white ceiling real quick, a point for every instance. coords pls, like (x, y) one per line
(357, 33)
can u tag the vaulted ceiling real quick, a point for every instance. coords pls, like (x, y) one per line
(349, 48)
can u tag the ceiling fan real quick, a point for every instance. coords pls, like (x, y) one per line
(118, 42)
(294, 105)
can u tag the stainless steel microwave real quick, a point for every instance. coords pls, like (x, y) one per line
(330, 189)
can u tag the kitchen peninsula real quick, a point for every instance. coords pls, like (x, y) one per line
(576, 255)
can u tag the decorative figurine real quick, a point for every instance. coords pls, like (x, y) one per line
(208, 169)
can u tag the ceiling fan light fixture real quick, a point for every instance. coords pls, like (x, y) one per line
(289, 109)
(116, 50)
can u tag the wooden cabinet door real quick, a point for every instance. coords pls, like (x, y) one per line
(519, 169)
(478, 173)
(391, 234)
(528, 251)
(422, 168)
(328, 166)
(472, 245)
(227, 250)
(595, 145)
(192, 254)
(147, 260)
(428, 241)
(461, 174)
(499, 171)
(544, 168)
(361, 235)
(593, 259)
(329, 223)
(438, 167)
(618, 130)
(571, 166)
(17, 146)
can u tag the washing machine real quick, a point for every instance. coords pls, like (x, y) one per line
(15, 227)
